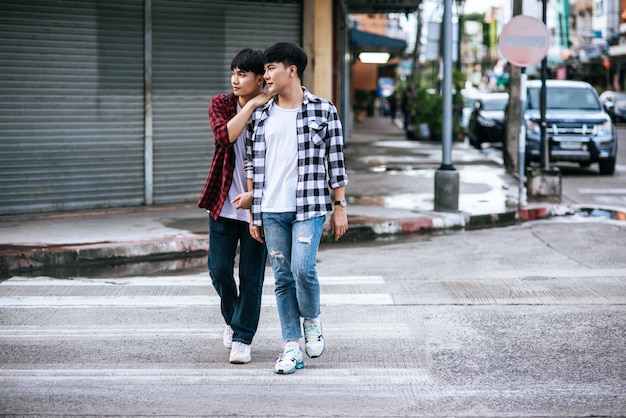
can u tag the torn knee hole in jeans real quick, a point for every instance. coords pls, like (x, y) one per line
(305, 239)
(277, 254)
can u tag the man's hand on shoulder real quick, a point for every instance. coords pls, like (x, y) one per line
(260, 99)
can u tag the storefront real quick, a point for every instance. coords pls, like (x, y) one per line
(104, 104)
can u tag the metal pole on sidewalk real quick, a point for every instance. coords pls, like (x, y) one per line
(521, 201)
(544, 155)
(446, 177)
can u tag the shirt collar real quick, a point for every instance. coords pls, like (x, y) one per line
(308, 98)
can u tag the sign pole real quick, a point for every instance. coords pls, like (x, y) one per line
(523, 41)
(521, 201)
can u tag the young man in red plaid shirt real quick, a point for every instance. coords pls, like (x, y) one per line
(224, 197)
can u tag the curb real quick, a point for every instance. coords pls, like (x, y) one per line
(29, 259)
(371, 228)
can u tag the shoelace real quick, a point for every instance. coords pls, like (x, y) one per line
(238, 347)
(312, 332)
(289, 354)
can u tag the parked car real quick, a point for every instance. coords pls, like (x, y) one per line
(486, 122)
(615, 104)
(578, 128)
(469, 98)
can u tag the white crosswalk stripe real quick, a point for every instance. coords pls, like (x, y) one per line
(159, 292)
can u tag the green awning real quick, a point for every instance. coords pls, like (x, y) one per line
(367, 41)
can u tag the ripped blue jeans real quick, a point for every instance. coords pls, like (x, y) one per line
(292, 247)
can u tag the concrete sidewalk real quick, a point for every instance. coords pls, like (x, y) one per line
(380, 203)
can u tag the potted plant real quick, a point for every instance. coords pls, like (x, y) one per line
(427, 109)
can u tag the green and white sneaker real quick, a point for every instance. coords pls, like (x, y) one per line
(313, 338)
(290, 360)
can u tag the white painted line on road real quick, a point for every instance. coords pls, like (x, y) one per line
(356, 299)
(195, 280)
(101, 332)
(239, 375)
(344, 280)
(343, 331)
(191, 280)
(173, 301)
(10, 299)
(602, 191)
(107, 301)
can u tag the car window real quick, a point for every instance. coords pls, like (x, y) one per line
(469, 101)
(564, 98)
(495, 104)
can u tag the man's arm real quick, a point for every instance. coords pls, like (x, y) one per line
(339, 218)
(226, 123)
(256, 232)
(237, 124)
(221, 110)
(337, 175)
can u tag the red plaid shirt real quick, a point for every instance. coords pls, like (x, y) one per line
(221, 109)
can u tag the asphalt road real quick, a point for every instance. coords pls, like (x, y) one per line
(528, 320)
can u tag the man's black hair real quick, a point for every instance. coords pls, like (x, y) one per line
(288, 53)
(250, 60)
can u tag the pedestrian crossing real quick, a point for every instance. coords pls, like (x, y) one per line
(248, 376)
(178, 291)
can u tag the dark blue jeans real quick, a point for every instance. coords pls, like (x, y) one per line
(241, 307)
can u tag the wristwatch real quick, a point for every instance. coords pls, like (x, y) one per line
(341, 202)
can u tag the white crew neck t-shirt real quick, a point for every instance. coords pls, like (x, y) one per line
(281, 160)
(239, 181)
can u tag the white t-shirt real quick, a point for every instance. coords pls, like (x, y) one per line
(281, 161)
(239, 181)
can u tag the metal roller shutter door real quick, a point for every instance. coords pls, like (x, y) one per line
(71, 105)
(193, 44)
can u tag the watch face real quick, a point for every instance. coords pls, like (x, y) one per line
(341, 202)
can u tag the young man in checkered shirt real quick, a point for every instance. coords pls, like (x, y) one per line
(223, 196)
(295, 169)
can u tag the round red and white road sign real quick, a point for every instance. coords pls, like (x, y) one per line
(524, 41)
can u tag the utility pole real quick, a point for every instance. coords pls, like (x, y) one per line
(544, 183)
(511, 140)
(416, 49)
(544, 154)
(460, 4)
(446, 176)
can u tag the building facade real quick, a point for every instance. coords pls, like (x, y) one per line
(105, 104)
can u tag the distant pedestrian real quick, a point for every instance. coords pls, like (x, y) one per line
(294, 162)
(407, 103)
(224, 196)
(393, 106)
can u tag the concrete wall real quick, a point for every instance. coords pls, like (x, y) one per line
(317, 39)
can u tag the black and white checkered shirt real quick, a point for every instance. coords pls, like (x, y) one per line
(321, 164)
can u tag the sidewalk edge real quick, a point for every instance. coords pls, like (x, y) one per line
(29, 259)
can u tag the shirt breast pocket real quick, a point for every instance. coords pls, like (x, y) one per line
(318, 131)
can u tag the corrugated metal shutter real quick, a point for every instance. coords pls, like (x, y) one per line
(71, 104)
(193, 44)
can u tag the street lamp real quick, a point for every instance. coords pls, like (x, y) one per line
(460, 4)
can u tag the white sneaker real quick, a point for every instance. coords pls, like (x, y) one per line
(290, 360)
(240, 353)
(313, 339)
(227, 338)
